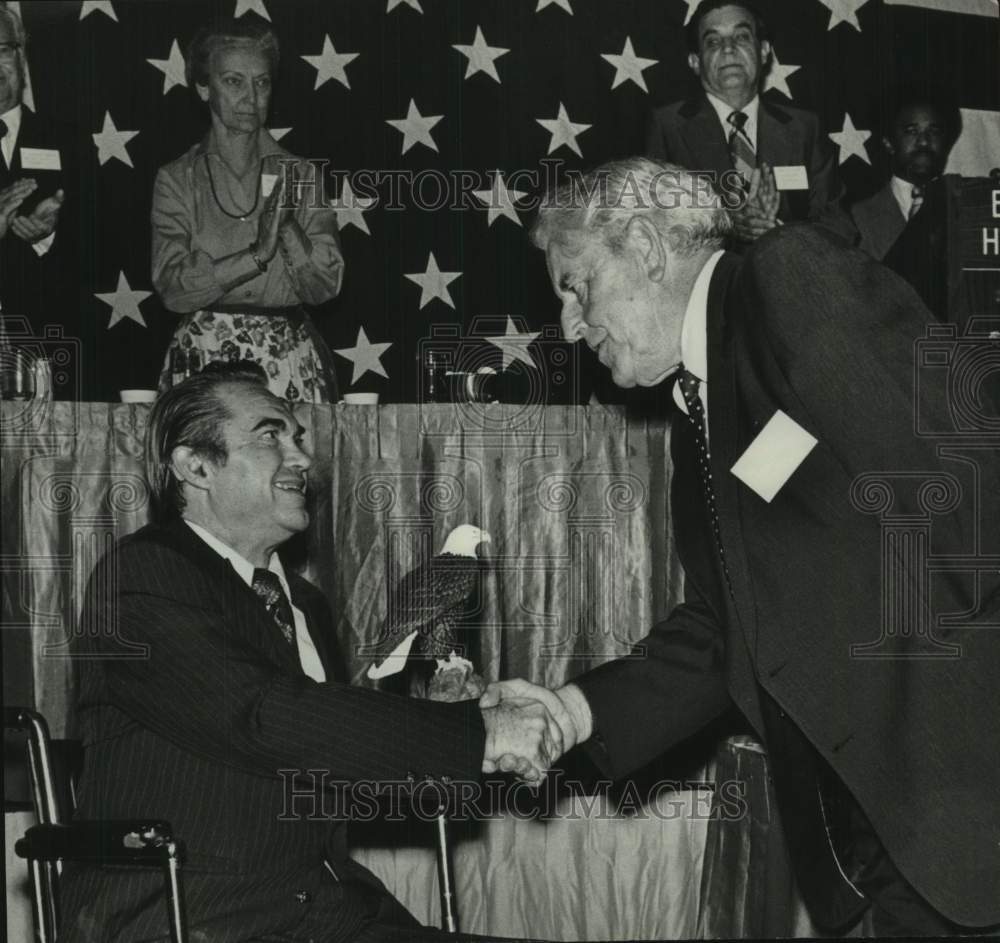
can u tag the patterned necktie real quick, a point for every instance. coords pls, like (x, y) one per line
(267, 585)
(740, 149)
(917, 194)
(689, 384)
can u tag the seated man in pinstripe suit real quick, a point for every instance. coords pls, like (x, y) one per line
(208, 678)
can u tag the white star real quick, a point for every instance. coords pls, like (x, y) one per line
(542, 4)
(514, 345)
(278, 133)
(563, 131)
(851, 140)
(350, 208)
(629, 66)
(329, 64)
(434, 283)
(692, 6)
(172, 68)
(251, 6)
(416, 127)
(777, 75)
(124, 302)
(366, 357)
(481, 56)
(843, 11)
(110, 142)
(392, 4)
(98, 6)
(499, 200)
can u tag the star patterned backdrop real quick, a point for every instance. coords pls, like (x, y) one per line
(442, 121)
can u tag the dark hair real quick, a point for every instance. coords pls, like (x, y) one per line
(931, 96)
(228, 32)
(710, 6)
(191, 414)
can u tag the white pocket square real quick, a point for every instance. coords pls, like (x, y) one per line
(773, 456)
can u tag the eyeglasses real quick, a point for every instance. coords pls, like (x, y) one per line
(9, 50)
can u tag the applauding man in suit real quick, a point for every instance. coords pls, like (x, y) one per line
(31, 195)
(739, 138)
(210, 694)
(795, 429)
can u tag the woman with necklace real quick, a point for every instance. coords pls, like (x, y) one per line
(234, 251)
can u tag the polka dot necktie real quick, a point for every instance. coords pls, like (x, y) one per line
(740, 149)
(689, 384)
(917, 195)
(267, 585)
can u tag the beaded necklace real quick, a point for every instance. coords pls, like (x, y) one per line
(215, 195)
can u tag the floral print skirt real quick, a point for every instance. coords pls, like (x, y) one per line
(283, 341)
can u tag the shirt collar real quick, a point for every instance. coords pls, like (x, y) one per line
(694, 329)
(902, 190)
(243, 567)
(12, 119)
(724, 110)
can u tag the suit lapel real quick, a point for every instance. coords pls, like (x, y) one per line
(704, 137)
(240, 604)
(319, 625)
(724, 435)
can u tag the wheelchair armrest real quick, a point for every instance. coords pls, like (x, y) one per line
(135, 842)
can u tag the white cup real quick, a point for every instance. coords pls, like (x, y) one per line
(361, 399)
(137, 396)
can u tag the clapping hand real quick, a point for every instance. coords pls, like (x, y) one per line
(42, 221)
(278, 210)
(11, 197)
(760, 212)
(563, 730)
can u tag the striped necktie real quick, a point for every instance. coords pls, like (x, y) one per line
(917, 200)
(740, 149)
(267, 585)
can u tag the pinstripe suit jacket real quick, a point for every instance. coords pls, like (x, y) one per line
(190, 705)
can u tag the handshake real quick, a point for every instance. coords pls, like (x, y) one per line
(529, 727)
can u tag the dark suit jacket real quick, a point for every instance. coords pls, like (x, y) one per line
(40, 287)
(688, 133)
(196, 730)
(879, 222)
(827, 335)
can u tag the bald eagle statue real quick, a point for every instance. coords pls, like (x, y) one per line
(423, 611)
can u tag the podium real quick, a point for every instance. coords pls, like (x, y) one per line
(950, 252)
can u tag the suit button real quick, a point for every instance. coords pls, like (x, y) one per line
(303, 897)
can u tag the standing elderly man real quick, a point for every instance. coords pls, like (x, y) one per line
(209, 678)
(32, 152)
(795, 382)
(777, 150)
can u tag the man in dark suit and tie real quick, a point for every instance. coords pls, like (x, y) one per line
(210, 695)
(871, 677)
(921, 132)
(36, 279)
(778, 151)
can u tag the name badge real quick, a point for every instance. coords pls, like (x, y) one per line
(773, 456)
(791, 177)
(40, 158)
(267, 182)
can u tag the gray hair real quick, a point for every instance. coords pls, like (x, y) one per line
(16, 27)
(683, 207)
(226, 34)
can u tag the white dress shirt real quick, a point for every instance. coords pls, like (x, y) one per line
(902, 190)
(12, 119)
(694, 336)
(308, 656)
(724, 110)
